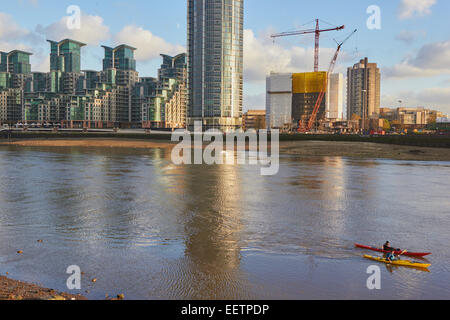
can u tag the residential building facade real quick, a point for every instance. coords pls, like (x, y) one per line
(215, 62)
(363, 90)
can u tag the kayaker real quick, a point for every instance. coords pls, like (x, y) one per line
(387, 247)
(391, 256)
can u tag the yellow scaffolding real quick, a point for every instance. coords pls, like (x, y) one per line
(309, 82)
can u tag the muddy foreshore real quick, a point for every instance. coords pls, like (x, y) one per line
(360, 150)
(18, 290)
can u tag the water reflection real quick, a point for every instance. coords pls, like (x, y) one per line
(213, 230)
(155, 230)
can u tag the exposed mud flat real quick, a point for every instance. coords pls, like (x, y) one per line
(365, 150)
(18, 290)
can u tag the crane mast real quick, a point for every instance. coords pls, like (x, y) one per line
(317, 31)
(324, 88)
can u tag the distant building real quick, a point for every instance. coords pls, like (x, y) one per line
(388, 114)
(363, 90)
(291, 98)
(279, 100)
(335, 97)
(306, 88)
(406, 118)
(65, 56)
(441, 120)
(17, 62)
(15, 69)
(215, 62)
(75, 98)
(412, 116)
(254, 119)
(163, 100)
(11, 105)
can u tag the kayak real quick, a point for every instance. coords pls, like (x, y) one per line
(409, 254)
(404, 263)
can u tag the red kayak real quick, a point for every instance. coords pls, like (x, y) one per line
(409, 254)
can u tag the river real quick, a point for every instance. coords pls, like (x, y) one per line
(146, 228)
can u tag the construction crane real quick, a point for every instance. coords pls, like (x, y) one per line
(324, 88)
(317, 32)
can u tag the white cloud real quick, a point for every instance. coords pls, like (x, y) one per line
(406, 70)
(439, 97)
(434, 55)
(9, 29)
(434, 98)
(148, 45)
(431, 60)
(411, 8)
(409, 37)
(92, 30)
(256, 101)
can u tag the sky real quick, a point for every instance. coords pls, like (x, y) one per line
(411, 43)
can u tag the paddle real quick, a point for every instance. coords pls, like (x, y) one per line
(403, 252)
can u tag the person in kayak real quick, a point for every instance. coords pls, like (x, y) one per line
(387, 247)
(391, 256)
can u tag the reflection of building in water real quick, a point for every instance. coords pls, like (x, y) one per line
(213, 230)
(212, 227)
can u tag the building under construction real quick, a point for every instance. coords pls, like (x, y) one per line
(291, 98)
(306, 88)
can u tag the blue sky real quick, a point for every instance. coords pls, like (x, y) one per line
(412, 47)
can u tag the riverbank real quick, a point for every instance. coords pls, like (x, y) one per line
(363, 150)
(18, 290)
(348, 149)
(432, 141)
(89, 143)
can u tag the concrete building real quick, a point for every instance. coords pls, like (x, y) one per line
(163, 100)
(335, 97)
(254, 119)
(279, 100)
(291, 98)
(363, 90)
(176, 105)
(17, 62)
(306, 88)
(112, 97)
(410, 118)
(11, 101)
(215, 62)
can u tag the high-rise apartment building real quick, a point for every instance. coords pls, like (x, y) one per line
(120, 57)
(65, 56)
(363, 90)
(17, 62)
(335, 96)
(75, 98)
(215, 62)
(279, 100)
